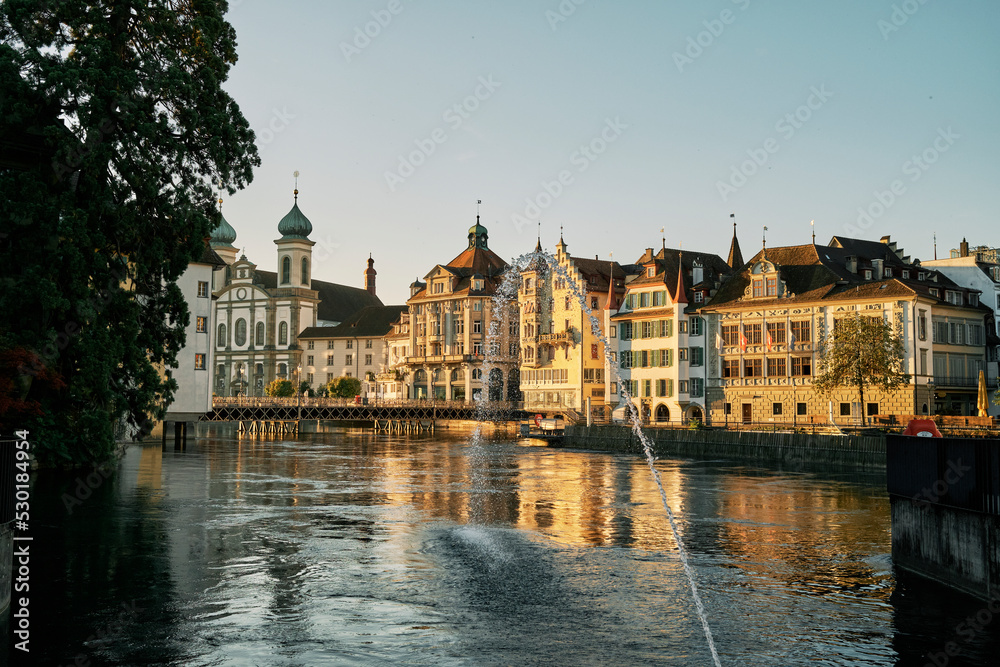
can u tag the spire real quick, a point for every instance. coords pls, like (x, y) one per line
(296, 191)
(370, 276)
(763, 243)
(812, 223)
(735, 260)
(561, 248)
(538, 246)
(680, 296)
(612, 297)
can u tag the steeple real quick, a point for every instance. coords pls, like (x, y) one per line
(679, 295)
(735, 260)
(370, 276)
(561, 248)
(478, 236)
(538, 245)
(612, 297)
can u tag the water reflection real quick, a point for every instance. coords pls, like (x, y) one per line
(352, 548)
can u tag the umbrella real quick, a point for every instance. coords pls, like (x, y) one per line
(983, 403)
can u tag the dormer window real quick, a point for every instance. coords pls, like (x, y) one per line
(650, 271)
(921, 276)
(888, 272)
(868, 274)
(699, 296)
(906, 274)
(477, 285)
(935, 291)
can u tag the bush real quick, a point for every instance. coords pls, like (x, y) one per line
(280, 388)
(343, 387)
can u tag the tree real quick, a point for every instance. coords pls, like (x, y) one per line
(304, 387)
(862, 352)
(343, 387)
(114, 129)
(280, 388)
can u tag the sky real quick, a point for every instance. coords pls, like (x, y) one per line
(613, 120)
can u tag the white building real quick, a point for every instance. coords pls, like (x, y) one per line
(260, 314)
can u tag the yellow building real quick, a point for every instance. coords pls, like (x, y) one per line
(563, 364)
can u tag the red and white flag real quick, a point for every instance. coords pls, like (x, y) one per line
(743, 341)
(769, 341)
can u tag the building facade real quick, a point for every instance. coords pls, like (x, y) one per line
(661, 339)
(260, 314)
(563, 362)
(767, 320)
(456, 334)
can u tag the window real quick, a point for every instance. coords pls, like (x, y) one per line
(697, 387)
(872, 409)
(752, 332)
(309, 378)
(802, 331)
(647, 387)
(776, 331)
(650, 271)
(682, 386)
(776, 367)
(349, 359)
(368, 344)
(953, 297)
(730, 334)
(682, 326)
(283, 333)
(957, 333)
(845, 409)
(202, 289)
(329, 344)
(286, 270)
(975, 334)
(626, 331)
(800, 409)
(867, 274)
(368, 360)
(221, 336)
(771, 285)
(311, 345)
(593, 351)
(682, 354)
(697, 356)
(329, 360)
(593, 303)
(240, 337)
(935, 292)
(310, 360)
(459, 326)
(922, 325)
(730, 368)
(527, 284)
(801, 366)
(477, 326)
(753, 368)
(776, 409)
(699, 296)
(199, 362)
(906, 274)
(201, 324)
(477, 349)
(613, 331)
(696, 326)
(437, 287)
(758, 287)
(350, 345)
(305, 272)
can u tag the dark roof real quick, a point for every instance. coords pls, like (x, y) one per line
(666, 262)
(369, 322)
(735, 259)
(336, 302)
(209, 256)
(601, 271)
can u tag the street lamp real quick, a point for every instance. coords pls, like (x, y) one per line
(299, 391)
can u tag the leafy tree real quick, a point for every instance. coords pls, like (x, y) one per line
(280, 388)
(304, 388)
(863, 352)
(119, 128)
(343, 387)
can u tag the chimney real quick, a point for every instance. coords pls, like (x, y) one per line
(370, 276)
(852, 263)
(697, 272)
(963, 248)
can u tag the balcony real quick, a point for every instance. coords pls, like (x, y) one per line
(960, 381)
(561, 337)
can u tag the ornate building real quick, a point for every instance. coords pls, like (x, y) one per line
(563, 363)
(260, 314)
(450, 316)
(767, 319)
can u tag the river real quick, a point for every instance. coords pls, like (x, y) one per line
(353, 548)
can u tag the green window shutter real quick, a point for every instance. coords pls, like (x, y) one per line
(670, 328)
(670, 387)
(670, 357)
(655, 361)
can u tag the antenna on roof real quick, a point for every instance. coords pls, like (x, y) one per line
(935, 234)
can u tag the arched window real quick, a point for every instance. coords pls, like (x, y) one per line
(286, 270)
(260, 334)
(221, 338)
(259, 369)
(240, 336)
(283, 333)
(305, 271)
(282, 371)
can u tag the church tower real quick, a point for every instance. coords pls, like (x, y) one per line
(370, 276)
(295, 248)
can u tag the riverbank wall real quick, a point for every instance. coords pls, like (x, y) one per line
(944, 495)
(790, 449)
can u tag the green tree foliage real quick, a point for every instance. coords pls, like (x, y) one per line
(343, 387)
(280, 388)
(304, 388)
(863, 352)
(114, 129)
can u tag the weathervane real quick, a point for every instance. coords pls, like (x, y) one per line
(764, 241)
(296, 193)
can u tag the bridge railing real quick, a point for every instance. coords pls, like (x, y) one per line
(292, 401)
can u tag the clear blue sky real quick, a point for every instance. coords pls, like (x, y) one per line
(820, 107)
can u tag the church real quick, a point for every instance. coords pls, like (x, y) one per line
(260, 314)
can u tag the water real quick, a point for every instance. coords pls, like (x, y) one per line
(360, 549)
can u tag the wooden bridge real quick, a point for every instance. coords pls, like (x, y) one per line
(241, 409)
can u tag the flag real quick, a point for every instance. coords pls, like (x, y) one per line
(791, 341)
(743, 341)
(770, 343)
(718, 341)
